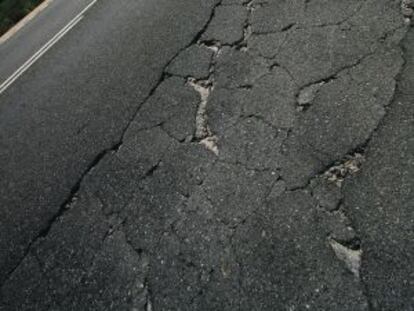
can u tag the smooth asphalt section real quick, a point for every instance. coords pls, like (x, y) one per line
(74, 104)
(22, 45)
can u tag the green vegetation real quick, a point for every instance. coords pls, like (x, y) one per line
(11, 11)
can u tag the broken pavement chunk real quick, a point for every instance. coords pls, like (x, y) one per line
(195, 61)
(237, 69)
(326, 193)
(329, 12)
(227, 26)
(356, 97)
(235, 192)
(276, 16)
(272, 98)
(266, 45)
(252, 143)
(173, 106)
(277, 250)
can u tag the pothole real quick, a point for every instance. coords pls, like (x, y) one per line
(350, 166)
(203, 133)
(211, 144)
(351, 258)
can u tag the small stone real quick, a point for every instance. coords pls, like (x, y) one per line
(407, 11)
(308, 94)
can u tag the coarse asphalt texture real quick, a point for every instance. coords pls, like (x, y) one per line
(213, 155)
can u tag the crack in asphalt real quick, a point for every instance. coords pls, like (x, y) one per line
(349, 252)
(63, 207)
(114, 148)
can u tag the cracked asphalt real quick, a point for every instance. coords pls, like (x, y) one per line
(241, 155)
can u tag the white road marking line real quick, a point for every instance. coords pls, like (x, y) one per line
(36, 56)
(44, 49)
(24, 21)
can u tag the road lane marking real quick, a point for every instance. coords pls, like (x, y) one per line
(24, 21)
(45, 48)
(36, 56)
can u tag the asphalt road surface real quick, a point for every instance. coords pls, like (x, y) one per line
(209, 155)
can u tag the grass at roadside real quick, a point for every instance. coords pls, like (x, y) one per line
(11, 11)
